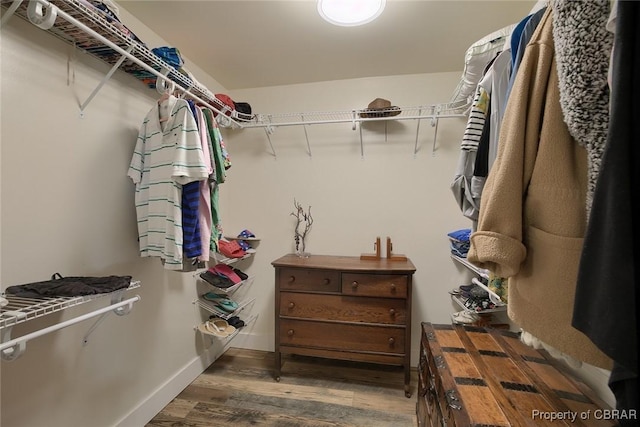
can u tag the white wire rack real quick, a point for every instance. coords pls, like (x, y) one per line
(78, 23)
(243, 307)
(479, 271)
(20, 310)
(87, 28)
(435, 111)
(212, 308)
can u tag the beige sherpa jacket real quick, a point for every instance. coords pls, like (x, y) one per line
(532, 213)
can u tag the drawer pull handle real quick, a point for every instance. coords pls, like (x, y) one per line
(292, 304)
(354, 284)
(392, 341)
(392, 312)
(327, 281)
(292, 279)
(290, 332)
(393, 287)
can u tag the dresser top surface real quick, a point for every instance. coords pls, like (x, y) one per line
(345, 263)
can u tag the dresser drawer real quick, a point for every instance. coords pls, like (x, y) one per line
(342, 308)
(347, 337)
(375, 285)
(300, 279)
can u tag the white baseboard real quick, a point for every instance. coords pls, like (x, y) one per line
(163, 395)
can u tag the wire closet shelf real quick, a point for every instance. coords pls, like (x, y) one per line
(21, 309)
(78, 23)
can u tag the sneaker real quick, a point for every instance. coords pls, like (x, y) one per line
(465, 317)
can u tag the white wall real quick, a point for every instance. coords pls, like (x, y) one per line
(68, 207)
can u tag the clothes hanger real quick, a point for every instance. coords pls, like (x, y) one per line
(166, 94)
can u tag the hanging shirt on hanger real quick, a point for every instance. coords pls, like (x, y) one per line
(523, 40)
(167, 155)
(191, 234)
(204, 207)
(466, 195)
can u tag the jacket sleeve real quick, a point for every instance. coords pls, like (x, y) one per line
(498, 245)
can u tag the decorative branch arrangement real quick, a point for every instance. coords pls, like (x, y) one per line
(301, 217)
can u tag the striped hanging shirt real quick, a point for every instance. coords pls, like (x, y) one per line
(166, 157)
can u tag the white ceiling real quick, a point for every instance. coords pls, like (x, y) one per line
(245, 44)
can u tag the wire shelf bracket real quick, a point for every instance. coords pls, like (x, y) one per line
(106, 78)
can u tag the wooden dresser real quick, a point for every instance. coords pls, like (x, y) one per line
(344, 308)
(470, 376)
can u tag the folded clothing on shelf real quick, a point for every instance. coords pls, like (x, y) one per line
(459, 242)
(170, 55)
(461, 235)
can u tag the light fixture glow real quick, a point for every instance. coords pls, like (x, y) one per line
(349, 13)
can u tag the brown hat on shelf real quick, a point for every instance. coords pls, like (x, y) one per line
(380, 108)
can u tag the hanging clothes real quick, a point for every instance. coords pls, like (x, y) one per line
(480, 140)
(518, 46)
(494, 83)
(167, 155)
(205, 213)
(582, 54)
(532, 217)
(607, 292)
(190, 211)
(219, 176)
(462, 187)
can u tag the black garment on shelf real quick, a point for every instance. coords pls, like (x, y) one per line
(60, 286)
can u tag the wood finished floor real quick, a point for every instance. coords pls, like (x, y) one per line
(238, 390)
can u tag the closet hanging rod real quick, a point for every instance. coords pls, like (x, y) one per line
(348, 120)
(9, 348)
(70, 19)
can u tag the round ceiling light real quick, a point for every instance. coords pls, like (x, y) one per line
(349, 13)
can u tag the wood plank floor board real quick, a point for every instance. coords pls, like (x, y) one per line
(218, 415)
(239, 390)
(196, 393)
(274, 389)
(179, 408)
